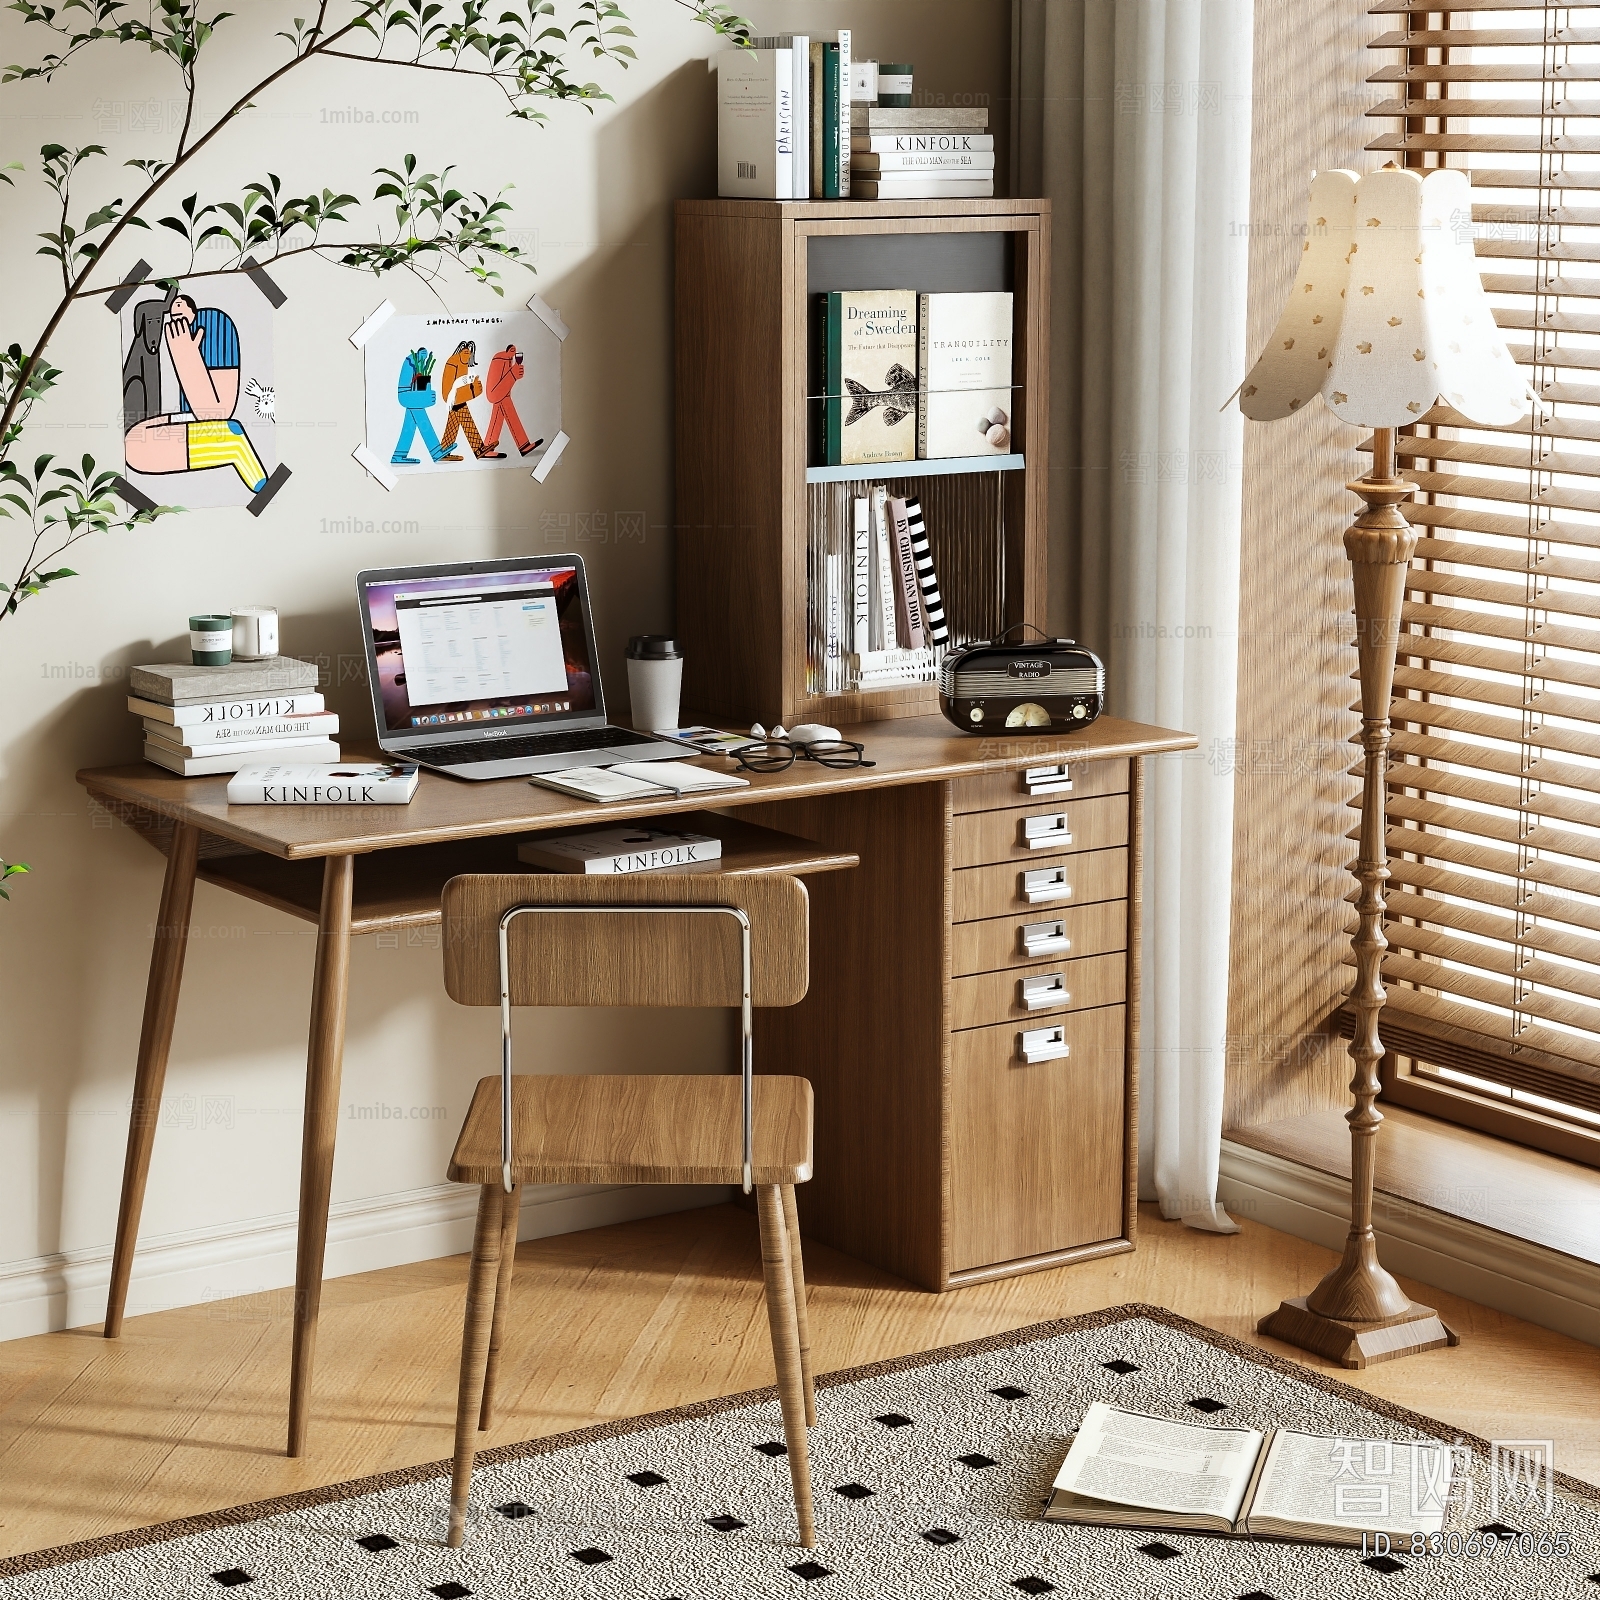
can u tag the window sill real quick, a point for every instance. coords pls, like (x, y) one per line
(1428, 1165)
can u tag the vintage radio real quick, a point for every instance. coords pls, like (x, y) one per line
(1048, 686)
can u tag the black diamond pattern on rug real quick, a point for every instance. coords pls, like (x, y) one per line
(377, 1543)
(232, 1577)
(646, 1480)
(893, 1419)
(724, 1523)
(853, 1491)
(1384, 1564)
(1032, 1585)
(940, 1536)
(592, 1556)
(450, 1590)
(1207, 1404)
(1159, 1551)
(513, 1509)
(977, 1461)
(1009, 1391)
(773, 1448)
(810, 1570)
(1499, 1530)
(1121, 1368)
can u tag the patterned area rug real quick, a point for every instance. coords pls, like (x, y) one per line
(929, 1471)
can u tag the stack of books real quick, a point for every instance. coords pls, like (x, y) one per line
(200, 720)
(921, 153)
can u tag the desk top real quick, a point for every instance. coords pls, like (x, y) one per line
(907, 750)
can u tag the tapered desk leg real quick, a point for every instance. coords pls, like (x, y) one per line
(324, 1060)
(155, 1040)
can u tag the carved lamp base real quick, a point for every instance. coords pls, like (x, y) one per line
(1353, 1343)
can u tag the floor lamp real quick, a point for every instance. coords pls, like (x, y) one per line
(1387, 317)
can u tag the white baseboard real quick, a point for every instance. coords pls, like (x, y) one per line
(67, 1290)
(1464, 1258)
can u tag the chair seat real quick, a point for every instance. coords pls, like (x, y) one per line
(616, 1129)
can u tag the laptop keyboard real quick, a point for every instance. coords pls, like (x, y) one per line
(543, 744)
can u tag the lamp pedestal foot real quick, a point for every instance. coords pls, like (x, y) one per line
(1353, 1342)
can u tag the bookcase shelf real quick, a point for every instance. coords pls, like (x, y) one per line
(745, 272)
(914, 469)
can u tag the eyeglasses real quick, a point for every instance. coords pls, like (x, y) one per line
(776, 755)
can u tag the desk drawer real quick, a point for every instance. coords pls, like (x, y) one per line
(997, 891)
(1056, 987)
(1089, 778)
(1093, 930)
(1037, 1150)
(1057, 825)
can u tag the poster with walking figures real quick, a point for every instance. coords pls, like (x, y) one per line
(461, 393)
(198, 398)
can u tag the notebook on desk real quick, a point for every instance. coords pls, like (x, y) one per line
(486, 669)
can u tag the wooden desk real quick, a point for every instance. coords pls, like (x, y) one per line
(897, 1109)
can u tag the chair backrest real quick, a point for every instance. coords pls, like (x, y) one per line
(655, 959)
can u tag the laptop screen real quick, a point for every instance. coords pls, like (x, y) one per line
(473, 648)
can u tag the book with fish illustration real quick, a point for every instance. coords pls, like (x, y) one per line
(869, 372)
(965, 350)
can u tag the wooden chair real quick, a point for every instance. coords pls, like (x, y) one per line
(691, 940)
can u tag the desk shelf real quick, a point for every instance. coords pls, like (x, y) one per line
(402, 888)
(915, 469)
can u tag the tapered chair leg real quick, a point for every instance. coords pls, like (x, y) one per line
(511, 1207)
(802, 1317)
(779, 1276)
(474, 1351)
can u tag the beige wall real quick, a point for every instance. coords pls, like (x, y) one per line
(1295, 633)
(592, 203)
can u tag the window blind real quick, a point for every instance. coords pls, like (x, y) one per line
(1494, 782)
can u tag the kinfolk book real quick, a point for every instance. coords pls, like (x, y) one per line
(870, 375)
(610, 852)
(301, 753)
(262, 708)
(965, 352)
(384, 783)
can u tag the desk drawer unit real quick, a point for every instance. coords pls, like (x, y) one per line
(1052, 884)
(1038, 992)
(1038, 831)
(1034, 937)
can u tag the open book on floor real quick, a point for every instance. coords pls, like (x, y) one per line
(1129, 1470)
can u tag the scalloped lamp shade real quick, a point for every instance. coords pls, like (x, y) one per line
(1387, 313)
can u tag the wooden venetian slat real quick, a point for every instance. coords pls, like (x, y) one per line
(1488, 72)
(1484, 791)
(1433, 714)
(1488, 625)
(1479, 453)
(1471, 519)
(1476, 38)
(1545, 1060)
(1485, 758)
(1455, 584)
(1529, 284)
(1489, 858)
(1502, 894)
(1500, 827)
(1530, 106)
(1489, 991)
(1487, 925)
(1528, 177)
(1399, 8)
(1505, 490)
(1488, 144)
(1526, 427)
(1457, 653)
(1498, 960)
(1483, 691)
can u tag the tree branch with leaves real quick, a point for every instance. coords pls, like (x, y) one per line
(416, 221)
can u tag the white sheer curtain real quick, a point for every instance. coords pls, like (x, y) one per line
(1133, 116)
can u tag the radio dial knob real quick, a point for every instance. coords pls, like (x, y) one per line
(976, 713)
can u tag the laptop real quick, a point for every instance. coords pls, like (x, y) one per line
(486, 669)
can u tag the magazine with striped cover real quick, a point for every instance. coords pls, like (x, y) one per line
(927, 578)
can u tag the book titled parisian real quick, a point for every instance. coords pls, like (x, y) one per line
(870, 375)
(615, 851)
(965, 352)
(384, 783)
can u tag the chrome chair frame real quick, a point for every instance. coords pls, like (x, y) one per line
(746, 1021)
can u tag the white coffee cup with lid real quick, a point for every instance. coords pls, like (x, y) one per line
(655, 679)
(255, 633)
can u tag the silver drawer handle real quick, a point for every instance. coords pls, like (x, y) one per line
(1047, 829)
(1045, 939)
(1056, 779)
(1043, 1044)
(1049, 989)
(1046, 883)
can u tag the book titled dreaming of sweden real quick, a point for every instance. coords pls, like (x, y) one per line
(868, 366)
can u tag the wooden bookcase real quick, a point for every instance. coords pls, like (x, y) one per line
(745, 272)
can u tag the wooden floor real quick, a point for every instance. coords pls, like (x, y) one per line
(186, 1412)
